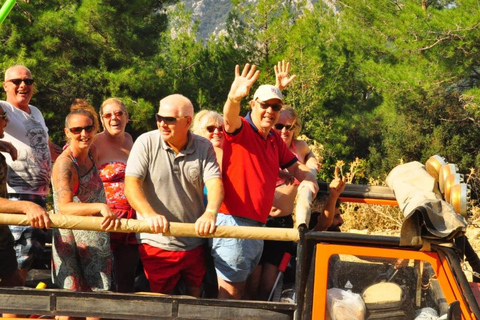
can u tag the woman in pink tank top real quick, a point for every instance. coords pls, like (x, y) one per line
(288, 127)
(112, 148)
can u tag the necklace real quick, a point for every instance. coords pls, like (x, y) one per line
(74, 158)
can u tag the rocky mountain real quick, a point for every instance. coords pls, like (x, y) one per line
(211, 14)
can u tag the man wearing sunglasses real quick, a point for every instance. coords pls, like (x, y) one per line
(252, 154)
(9, 273)
(28, 175)
(164, 179)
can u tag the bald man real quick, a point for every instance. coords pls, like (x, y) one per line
(29, 174)
(166, 172)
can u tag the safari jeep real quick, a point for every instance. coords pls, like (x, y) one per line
(338, 275)
(326, 260)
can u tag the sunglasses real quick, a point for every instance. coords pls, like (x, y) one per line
(167, 120)
(274, 106)
(117, 114)
(211, 129)
(288, 127)
(78, 130)
(17, 82)
(4, 116)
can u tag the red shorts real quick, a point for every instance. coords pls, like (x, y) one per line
(14, 280)
(164, 268)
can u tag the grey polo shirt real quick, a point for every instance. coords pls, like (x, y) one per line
(173, 183)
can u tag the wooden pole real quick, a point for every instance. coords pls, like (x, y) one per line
(176, 229)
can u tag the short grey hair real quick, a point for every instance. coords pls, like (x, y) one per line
(205, 118)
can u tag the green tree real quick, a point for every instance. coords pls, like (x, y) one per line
(421, 63)
(215, 71)
(331, 93)
(260, 27)
(90, 49)
(388, 80)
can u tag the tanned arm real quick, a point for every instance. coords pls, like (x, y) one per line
(206, 223)
(136, 197)
(64, 180)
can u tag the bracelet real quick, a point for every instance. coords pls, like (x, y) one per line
(212, 211)
(233, 100)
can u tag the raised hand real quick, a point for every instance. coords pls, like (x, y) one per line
(243, 82)
(282, 78)
(337, 185)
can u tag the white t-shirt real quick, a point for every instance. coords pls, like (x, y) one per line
(31, 172)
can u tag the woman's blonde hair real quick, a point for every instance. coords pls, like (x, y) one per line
(81, 104)
(113, 101)
(82, 107)
(205, 118)
(297, 122)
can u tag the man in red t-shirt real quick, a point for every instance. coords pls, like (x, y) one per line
(252, 155)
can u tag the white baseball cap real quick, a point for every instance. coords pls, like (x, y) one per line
(266, 92)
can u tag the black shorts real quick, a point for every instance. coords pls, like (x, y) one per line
(273, 251)
(9, 276)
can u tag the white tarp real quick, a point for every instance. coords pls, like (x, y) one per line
(426, 215)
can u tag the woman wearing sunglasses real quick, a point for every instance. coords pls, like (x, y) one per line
(209, 124)
(112, 148)
(288, 127)
(81, 259)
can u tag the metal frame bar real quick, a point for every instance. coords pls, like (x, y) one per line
(136, 306)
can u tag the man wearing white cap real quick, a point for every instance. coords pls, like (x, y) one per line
(252, 154)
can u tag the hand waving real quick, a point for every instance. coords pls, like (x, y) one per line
(337, 185)
(243, 82)
(282, 80)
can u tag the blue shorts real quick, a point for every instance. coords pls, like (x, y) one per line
(29, 242)
(235, 259)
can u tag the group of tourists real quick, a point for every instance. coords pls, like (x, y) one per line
(208, 169)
